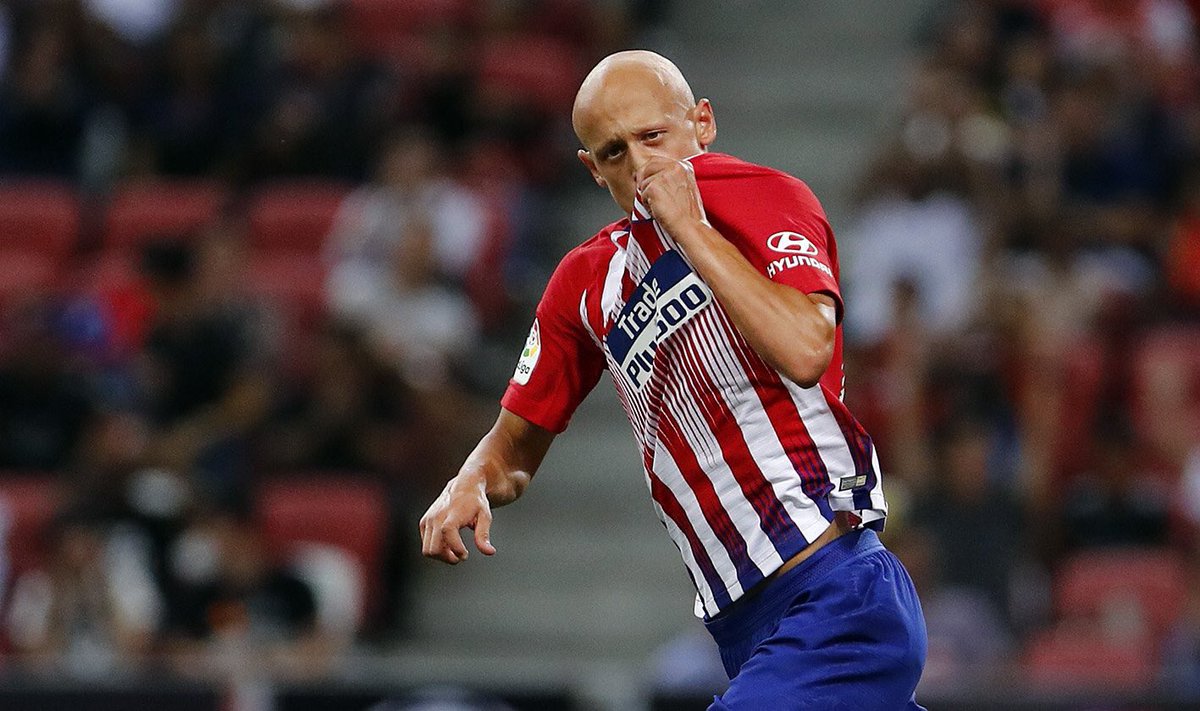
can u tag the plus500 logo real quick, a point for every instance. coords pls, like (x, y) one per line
(668, 297)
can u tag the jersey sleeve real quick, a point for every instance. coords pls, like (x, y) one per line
(560, 363)
(779, 226)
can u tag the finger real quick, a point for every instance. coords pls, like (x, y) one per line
(453, 542)
(644, 184)
(483, 530)
(651, 168)
(646, 175)
(426, 538)
(428, 542)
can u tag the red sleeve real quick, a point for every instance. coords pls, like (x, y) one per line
(779, 226)
(560, 363)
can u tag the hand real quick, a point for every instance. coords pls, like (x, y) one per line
(668, 189)
(462, 504)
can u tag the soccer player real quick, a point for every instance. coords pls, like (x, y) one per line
(714, 306)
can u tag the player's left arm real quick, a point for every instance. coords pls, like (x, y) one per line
(793, 331)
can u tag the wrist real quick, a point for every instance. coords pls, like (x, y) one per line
(472, 480)
(694, 231)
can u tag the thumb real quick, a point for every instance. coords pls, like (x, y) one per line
(483, 529)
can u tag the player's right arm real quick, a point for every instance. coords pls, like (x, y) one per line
(559, 366)
(495, 474)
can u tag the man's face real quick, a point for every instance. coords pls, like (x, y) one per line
(630, 125)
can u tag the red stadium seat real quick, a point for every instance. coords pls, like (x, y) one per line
(379, 26)
(337, 510)
(291, 280)
(39, 217)
(294, 217)
(147, 209)
(26, 275)
(540, 72)
(29, 502)
(1150, 583)
(1066, 659)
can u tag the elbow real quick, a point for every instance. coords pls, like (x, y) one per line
(806, 375)
(808, 363)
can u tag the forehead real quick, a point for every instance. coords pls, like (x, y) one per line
(620, 110)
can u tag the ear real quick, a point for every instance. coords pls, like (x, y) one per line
(705, 123)
(586, 159)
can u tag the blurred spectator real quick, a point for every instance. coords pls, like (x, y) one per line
(231, 604)
(93, 607)
(1181, 648)
(1183, 254)
(353, 413)
(411, 186)
(916, 228)
(319, 100)
(202, 377)
(1118, 502)
(42, 101)
(969, 639)
(45, 408)
(975, 524)
(138, 22)
(393, 244)
(1128, 30)
(182, 121)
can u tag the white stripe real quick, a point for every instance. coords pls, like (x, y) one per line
(611, 292)
(827, 436)
(877, 499)
(639, 210)
(584, 318)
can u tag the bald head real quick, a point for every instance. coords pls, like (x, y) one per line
(634, 75)
(634, 107)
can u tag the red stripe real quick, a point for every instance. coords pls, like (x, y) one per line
(647, 239)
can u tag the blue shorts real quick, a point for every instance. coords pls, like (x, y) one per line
(842, 630)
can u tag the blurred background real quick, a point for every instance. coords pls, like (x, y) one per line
(266, 266)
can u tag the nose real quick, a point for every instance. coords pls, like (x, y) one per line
(639, 156)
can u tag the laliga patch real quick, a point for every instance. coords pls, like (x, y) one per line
(529, 356)
(669, 295)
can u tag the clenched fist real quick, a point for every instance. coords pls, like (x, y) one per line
(668, 189)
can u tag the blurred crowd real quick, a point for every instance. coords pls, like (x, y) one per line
(254, 255)
(1023, 293)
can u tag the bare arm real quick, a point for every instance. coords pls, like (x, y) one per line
(495, 474)
(792, 331)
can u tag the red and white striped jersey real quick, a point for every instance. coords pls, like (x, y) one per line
(744, 466)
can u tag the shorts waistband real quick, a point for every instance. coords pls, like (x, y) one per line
(732, 624)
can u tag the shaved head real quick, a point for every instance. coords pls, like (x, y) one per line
(632, 107)
(643, 74)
